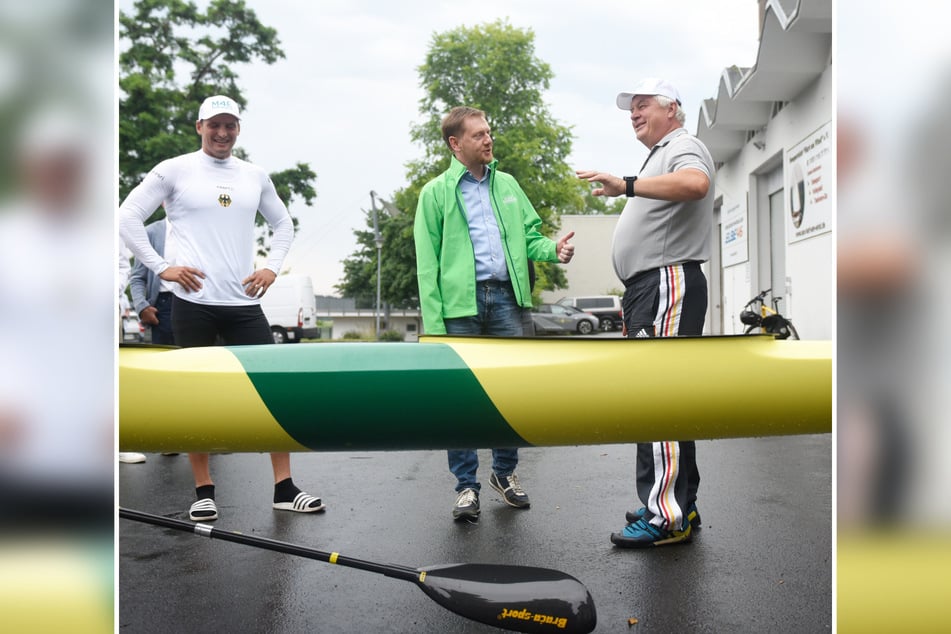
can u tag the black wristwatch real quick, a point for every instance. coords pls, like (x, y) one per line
(630, 185)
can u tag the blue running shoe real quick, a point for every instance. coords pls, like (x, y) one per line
(642, 534)
(692, 514)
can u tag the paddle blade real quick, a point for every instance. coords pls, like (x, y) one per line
(518, 598)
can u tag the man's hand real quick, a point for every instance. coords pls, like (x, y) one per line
(149, 315)
(186, 276)
(610, 185)
(256, 284)
(565, 250)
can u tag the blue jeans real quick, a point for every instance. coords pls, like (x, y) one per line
(499, 315)
(162, 334)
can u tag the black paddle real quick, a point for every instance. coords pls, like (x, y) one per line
(518, 598)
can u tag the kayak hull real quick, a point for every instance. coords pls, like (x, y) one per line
(458, 392)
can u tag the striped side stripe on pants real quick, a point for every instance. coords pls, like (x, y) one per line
(675, 298)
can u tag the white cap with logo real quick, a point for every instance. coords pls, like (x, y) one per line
(219, 104)
(649, 86)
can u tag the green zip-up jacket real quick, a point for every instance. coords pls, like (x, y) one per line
(445, 260)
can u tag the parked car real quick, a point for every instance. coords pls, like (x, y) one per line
(555, 318)
(132, 328)
(606, 307)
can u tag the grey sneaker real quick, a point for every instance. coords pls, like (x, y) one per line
(511, 490)
(467, 505)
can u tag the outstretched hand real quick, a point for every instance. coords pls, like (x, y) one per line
(564, 249)
(610, 185)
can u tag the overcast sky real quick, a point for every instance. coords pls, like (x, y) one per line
(346, 94)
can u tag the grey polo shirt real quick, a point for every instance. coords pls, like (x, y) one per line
(655, 233)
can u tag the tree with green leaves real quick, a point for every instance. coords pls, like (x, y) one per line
(174, 57)
(603, 204)
(492, 67)
(398, 268)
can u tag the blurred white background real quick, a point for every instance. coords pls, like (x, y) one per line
(58, 316)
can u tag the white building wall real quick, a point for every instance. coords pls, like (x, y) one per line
(808, 298)
(407, 323)
(590, 271)
(736, 285)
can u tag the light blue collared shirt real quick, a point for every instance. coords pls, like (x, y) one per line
(483, 228)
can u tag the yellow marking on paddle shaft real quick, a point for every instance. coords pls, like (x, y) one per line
(422, 577)
(187, 399)
(333, 557)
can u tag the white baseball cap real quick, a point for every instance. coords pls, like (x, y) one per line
(219, 104)
(649, 86)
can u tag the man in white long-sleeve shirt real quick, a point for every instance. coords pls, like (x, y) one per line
(211, 199)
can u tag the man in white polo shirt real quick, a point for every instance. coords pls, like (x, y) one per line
(661, 238)
(211, 199)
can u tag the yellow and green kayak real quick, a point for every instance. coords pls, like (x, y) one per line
(446, 392)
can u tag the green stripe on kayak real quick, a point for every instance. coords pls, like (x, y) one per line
(318, 394)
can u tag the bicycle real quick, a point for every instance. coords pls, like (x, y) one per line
(768, 319)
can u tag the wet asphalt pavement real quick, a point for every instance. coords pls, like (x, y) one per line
(761, 563)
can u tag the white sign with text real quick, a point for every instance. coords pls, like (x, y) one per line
(810, 185)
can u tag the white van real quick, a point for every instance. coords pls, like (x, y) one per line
(290, 309)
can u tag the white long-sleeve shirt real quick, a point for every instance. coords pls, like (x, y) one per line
(210, 205)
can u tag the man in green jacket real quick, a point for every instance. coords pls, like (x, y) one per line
(475, 232)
